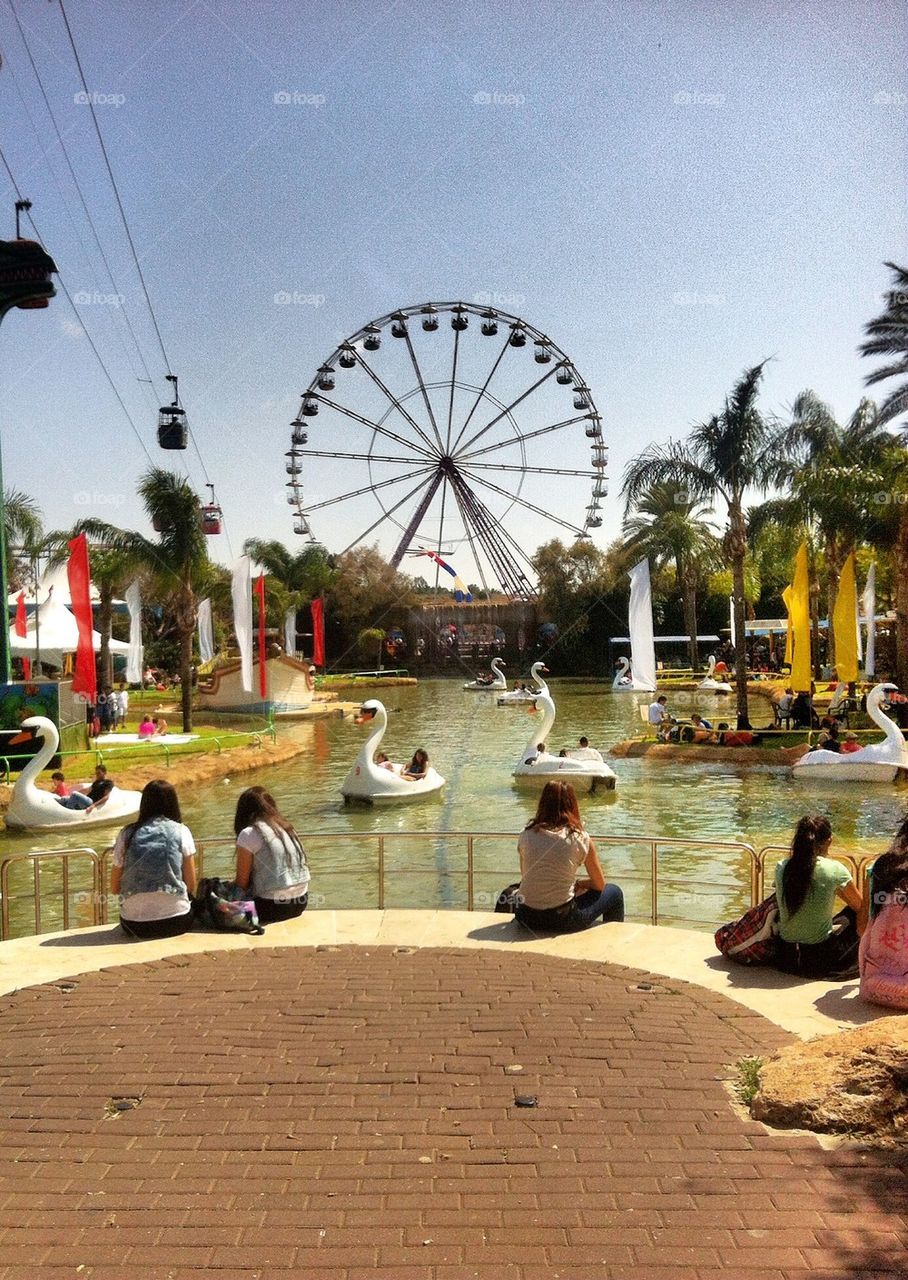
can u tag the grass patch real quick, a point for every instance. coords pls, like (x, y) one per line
(747, 1085)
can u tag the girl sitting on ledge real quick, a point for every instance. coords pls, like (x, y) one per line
(552, 848)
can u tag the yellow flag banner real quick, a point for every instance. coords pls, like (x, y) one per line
(789, 634)
(801, 672)
(844, 624)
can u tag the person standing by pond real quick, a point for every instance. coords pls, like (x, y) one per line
(269, 858)
(552, 848)
(154, 869)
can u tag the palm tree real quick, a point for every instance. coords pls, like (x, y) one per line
(889, 337)
(23, 529)
(670, 528)
(732, 452)
(297, 579)
(174, 563)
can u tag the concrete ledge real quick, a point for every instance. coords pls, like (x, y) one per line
(804, 1008)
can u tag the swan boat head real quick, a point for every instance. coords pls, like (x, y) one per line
(622, 679)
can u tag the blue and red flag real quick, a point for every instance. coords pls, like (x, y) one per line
(462, 594)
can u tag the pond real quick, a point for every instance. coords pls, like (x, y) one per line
(475, 744)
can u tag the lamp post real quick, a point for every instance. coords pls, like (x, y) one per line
(25, 282)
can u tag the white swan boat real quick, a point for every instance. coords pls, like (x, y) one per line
(32, 809)
(710, 684)
(372, 782)
(497, 682)
(623, 681)
(516, 697)
(880, 762)
(540, 766)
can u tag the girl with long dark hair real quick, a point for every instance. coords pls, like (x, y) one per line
(884, 945)
(814, 940)
(154, 867)
(269, 858)
(552, 848)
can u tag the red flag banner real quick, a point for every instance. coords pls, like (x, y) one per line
(263, 671)
(318, 633)
(79, 575)
(20, 628)
(26, 669)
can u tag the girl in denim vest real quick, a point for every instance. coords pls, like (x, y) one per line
(154, 867)
(269, 858)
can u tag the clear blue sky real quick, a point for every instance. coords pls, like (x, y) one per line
(671, 191)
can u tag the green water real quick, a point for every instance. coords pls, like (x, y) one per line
(475, 744)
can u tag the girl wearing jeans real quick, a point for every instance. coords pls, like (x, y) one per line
(552, 848)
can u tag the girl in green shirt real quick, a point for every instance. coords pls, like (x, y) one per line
(813, 939)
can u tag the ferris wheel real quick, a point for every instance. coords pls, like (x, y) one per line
(452, 427)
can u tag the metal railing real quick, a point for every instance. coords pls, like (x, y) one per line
(385, 873)
(857, 863)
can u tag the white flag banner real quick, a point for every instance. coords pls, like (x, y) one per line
(135, 655)
(640, 625)
(290, 633)
(206, 631)
(241, 595)
(868, 608)
(731, 617)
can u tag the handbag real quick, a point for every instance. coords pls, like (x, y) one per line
(223, 905)
(754, 938)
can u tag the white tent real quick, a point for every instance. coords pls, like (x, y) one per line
(53, 631)
(54, 581)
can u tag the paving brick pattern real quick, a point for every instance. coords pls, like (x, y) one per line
(344, 1113)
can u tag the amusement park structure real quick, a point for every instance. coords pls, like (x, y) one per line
(463, 423)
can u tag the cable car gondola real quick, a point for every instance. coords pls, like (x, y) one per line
(173, 432)
(211, 516)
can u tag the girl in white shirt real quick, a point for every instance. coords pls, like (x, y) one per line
(269, 858)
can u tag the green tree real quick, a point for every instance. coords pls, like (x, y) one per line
(668, 528)
(723, 458)
(24, 534)
(174, 564)
(888, 336)
(293, 580)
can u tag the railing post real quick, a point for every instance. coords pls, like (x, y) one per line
(4, 900)
(654, 876)
(381, 873)
(470, 872)
(36, 875)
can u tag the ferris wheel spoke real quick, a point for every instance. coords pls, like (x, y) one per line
(441, 528)
(502, 532)
(513, 405)
(369, 488)
(357, 457)
(386, 515)
(422, 386)
(489, 531)
(416, 519)
(514, 497)
(521, 437)
(540, 471)
(389, 394)
(453, 388)
(374, 426)
(482, 392)
(468, 530)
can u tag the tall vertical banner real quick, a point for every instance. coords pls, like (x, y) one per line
(318, 633)
(135, 657)
(844, 624)
(801, 670)
(241, 597)
(206, 631)
(21, 627)
(868, 606)
(263, 657)
(290, 633)
(640, 627)
(85, 680)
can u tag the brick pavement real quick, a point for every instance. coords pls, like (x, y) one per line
(344, 1113)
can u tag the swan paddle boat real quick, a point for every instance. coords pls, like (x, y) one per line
(32, 809)
(373, 783)
(880, 762)
(623, 681)
(498, 680)
(518, 697)
(540, 766)
(710, 684)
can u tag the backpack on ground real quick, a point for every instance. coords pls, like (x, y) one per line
(223, 905)
(754, 938)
